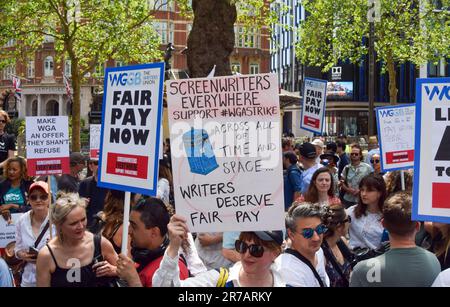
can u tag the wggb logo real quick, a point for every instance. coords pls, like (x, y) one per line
(125, 78)
(438, 90)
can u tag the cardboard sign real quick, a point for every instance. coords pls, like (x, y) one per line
(314, 104)
(8, 230)
(396, 126)
(226, 157)
(432, 161)
(130, 136)
(47, 139)
(94, 140)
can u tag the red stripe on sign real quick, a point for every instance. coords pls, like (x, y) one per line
(127, 165)
(48, 166)
(400, 156)
(93, 153)
(441, 195)
(312, 122)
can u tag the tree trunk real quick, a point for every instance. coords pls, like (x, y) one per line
(392, 79)
(76, 106)
(211, 40)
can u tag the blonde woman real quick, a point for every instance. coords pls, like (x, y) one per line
(75, 257)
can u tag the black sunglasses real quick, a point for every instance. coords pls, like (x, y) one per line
(93, 162)
(354, 154)
(374, 161)
(254, 249)
(43, 197)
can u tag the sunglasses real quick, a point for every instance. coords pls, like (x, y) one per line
(347, 220)
(254, 249)
(354, 154)
(2, 121)
(374, 161)
(93, 162)
(43, 197)
(308, 233)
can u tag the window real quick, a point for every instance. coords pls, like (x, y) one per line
(165, 31)
(30, 69)
(437, 70)
(48, 39)
(254, 69)
(8, 71)
(251, 39)
(48, 67)
(10, 43)
(100, 69)
(161, 5)
(236, 67)
(67, 67)
(119, 64)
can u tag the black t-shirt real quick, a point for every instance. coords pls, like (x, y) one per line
(89, 189)
(7, 142)
(68, 183)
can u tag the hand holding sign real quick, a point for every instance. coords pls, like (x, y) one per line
(178, 231)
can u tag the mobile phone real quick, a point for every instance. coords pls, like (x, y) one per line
(33, 250)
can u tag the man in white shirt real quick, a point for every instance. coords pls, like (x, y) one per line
(303, 265)
(443, 279)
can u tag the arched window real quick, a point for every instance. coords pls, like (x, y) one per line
(48, 67)
(52, 108)
(34, 108)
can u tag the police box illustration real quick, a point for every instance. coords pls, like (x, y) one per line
(199, 152)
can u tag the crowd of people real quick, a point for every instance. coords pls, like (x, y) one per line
(347, 225)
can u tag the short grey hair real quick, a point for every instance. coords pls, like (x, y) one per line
(303, 210)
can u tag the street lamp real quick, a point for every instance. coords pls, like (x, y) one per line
(373, 15)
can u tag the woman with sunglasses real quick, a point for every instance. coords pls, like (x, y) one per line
(257, 268)
(366, 230)
(13, 190)
(7, 141)
(376, 164)
(32, 228)
(338, 256)
(303, 264)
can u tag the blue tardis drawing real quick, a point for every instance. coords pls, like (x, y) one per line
(199, 152)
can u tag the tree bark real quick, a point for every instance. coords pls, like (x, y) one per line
(392, 79)
(211, 40)
(76, 106)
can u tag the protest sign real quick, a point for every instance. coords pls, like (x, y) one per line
(396, 134)
(47, 139)
(226, 157)
(94, 141)
(432, 156)
(131, 120)
(8, 230)
(314, 103)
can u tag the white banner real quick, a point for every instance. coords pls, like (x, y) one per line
(8, 230)
(94, 140)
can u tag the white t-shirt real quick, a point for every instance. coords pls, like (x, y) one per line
(366, 231)
(443, 279)
(296, 273)
(211, 255)
(163, 190)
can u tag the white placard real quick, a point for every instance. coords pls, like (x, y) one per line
(396, 127)
(314, 104)
(432, 157)
(130, 136)
(94, 140)
(8, 230)
(226, 157)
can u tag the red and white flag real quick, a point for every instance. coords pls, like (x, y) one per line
(17, 89)
(67, 85)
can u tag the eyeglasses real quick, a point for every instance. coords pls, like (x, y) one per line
(374, 161)
(93, 162)
(308, 233)
(254, 249)
(347, 220)
(43, 197)
(354, 154)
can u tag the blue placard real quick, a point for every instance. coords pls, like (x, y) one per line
(380, 137)
(127, 184)
(417, 157)
(320, 129)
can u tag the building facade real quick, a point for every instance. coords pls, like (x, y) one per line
(347, 90)
(43, 91)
